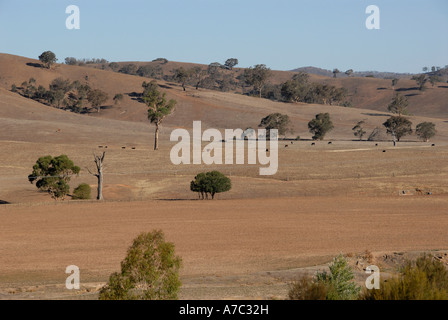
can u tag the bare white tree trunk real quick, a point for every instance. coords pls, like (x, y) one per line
(99, 175)
(156, 138)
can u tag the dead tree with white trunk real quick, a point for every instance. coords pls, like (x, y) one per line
(99, 159)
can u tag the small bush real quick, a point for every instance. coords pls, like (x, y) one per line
(306, 288)
(150, 271)
(298, 138)
(14, 88)
(162, 60)
(82, 192)
(118, 98)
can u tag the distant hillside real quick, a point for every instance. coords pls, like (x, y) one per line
(363, 92)
(375, 74)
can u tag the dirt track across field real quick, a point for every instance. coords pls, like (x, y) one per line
(221, 238)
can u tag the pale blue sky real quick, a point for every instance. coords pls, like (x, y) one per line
(283, 34)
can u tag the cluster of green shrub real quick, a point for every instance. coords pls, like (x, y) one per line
(147, 71)
(62, 93)
(81, 62)
(300, 89)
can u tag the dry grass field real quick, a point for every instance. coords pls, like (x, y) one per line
(248, 243)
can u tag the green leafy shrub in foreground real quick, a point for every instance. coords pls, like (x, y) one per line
(337, 285)
(150, 271)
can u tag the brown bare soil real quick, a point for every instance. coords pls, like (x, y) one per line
(215, 238)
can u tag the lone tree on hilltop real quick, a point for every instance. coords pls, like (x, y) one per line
(426, 130)
(398, 127)
(48, 58)
(53, 175)
(97, 97)
(158, 107)
(150, 271)
(275, 121)
(230, 63)
(398, 105)
(358, 130)
(320, 126)
(210, 183)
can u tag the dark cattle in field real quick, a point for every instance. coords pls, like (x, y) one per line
(313, 144)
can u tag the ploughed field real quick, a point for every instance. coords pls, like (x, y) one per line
(230, 248)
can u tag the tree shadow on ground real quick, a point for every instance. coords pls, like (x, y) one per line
(36, 65)
(95, 110)
(135, 96)
(177, 199)
(411, 94)
(407, 89)
(165, 86)
(376, 114)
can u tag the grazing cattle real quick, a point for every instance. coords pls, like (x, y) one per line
(105, 147)
(433, 145)
(384, 150)
(313, 144)
(329, 142)
(133, 148)
(376, 144)
(100, 146)
(286, 146)
(123, 147)
(292, 142)
(267, 150)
